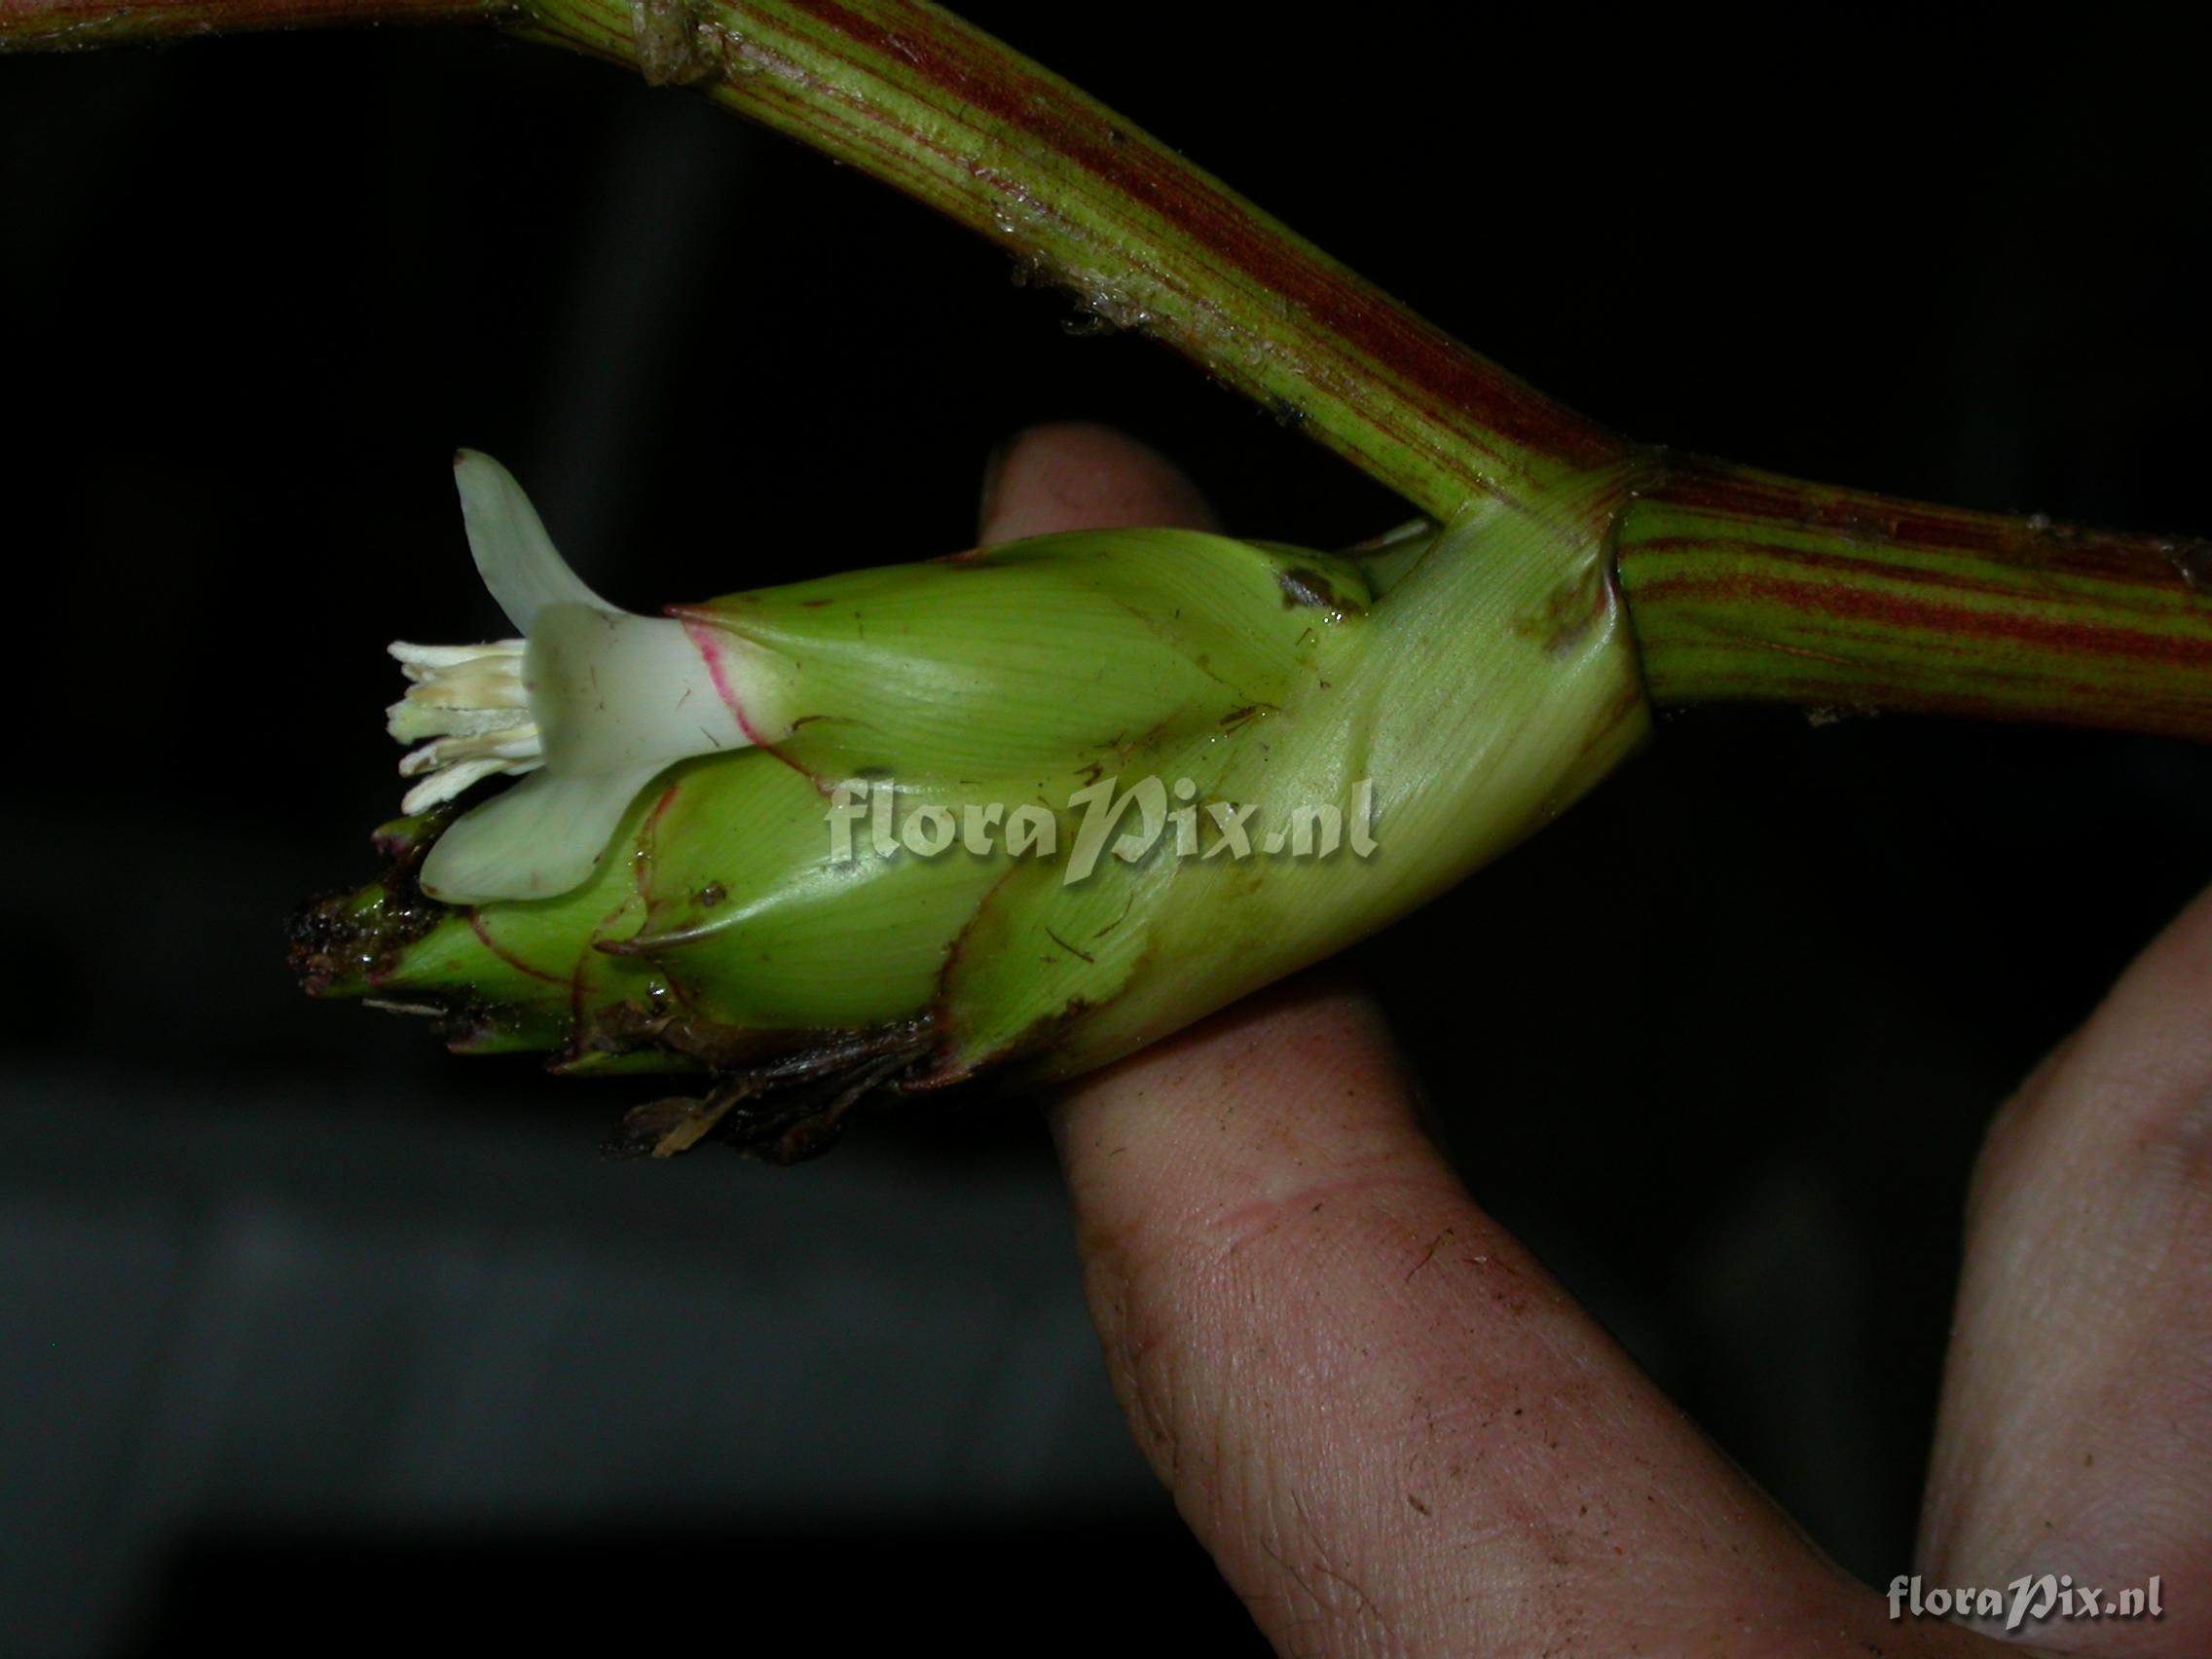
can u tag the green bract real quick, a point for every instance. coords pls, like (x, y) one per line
(1020, 810)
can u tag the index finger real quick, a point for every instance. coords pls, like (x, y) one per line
(1394, 1430)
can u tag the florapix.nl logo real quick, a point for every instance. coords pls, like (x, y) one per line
(875, 816)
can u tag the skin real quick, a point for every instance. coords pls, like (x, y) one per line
(1398, 1435)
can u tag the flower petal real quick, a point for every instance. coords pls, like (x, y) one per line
(612, 692)
(541, 838)
(514, 555)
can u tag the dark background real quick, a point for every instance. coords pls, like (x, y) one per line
(316, 1332)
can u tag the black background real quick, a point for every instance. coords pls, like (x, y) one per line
(1720, 1046)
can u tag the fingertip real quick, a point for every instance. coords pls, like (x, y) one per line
(1078, 476)
(1316, 1333)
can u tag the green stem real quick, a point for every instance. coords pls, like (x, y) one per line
(915, 96)
(65, 26)
(924, 101)
(1741, 586)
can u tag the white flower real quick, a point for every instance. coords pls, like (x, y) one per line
(593, 702)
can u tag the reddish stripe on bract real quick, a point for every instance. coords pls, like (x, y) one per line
(483, 938)
(706, 641)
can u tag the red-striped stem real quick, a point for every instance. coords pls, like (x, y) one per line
(65, 26)
(1747, 587)
(919, 98)
(1741, 586)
